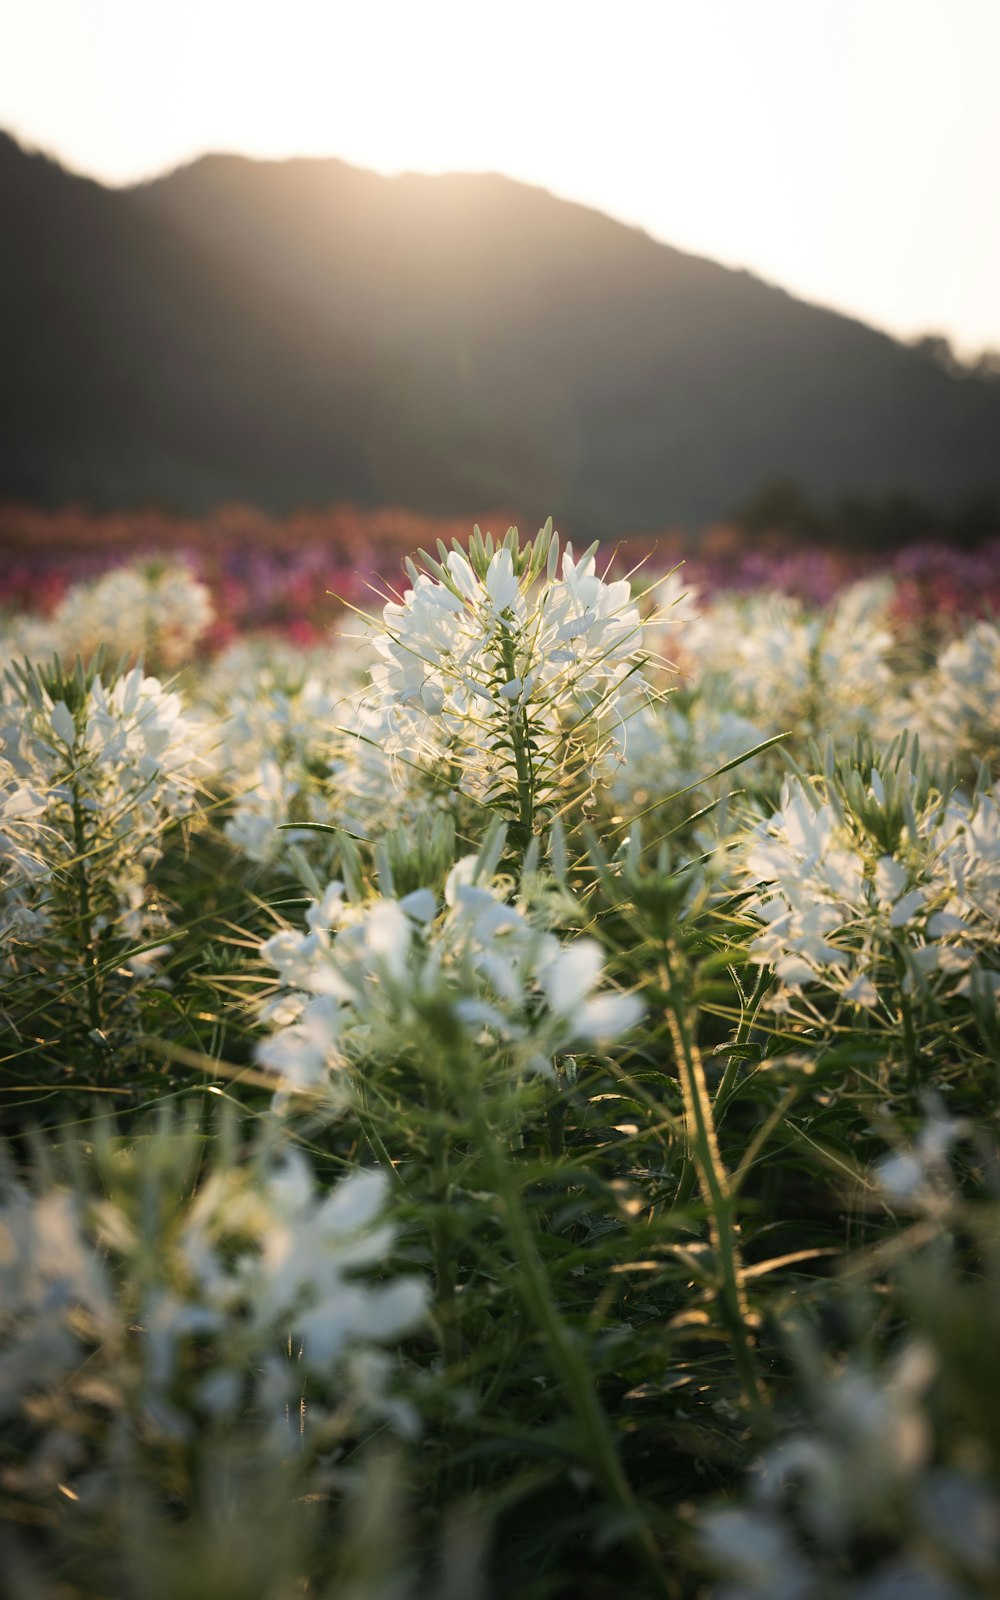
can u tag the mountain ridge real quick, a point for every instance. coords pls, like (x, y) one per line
(304, 332)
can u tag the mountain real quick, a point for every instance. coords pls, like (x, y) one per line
(302, 332)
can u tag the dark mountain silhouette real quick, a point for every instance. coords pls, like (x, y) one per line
(304, 332)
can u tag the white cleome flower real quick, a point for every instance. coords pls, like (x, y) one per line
(492, 643)
(296, 752)
(955, 708)
(841, 915)
(100, 783)
(788, 669)
(155, 610)
(366, 977)
(214, 1301)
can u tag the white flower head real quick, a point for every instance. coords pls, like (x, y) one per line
(490, 649)
(383, 965)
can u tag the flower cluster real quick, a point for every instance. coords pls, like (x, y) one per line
(508, 664)
(23, 868)
(956, 707)
(369, 976)
(677, 748)
(276, 719)
(856, 1506)
(861, 885)
(156, 611)
(791, 670)
(93, 774)
(26, 637)
(298, 747)
(134, 1313)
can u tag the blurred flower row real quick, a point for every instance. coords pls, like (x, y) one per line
(282, 575)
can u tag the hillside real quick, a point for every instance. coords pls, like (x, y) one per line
(304, 332)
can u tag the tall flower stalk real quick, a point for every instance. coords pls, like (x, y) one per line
(108, 763)
(715, 1184)
(517, 658)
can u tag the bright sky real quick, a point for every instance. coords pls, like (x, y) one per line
(846, 149)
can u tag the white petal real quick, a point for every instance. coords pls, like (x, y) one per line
(890, 880)
(389, 934)
(901, 1176)
(62, 722)
(463, 575)
(501, 584)
(396, 1309)
(461, 874)
(607, 1016)
(862, 992)
(354, 1203)
(568, 979)
(421, 905)
(906, 908)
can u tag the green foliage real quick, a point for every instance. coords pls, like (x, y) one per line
(559, 1234)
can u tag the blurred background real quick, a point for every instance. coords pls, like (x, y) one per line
(290, 291)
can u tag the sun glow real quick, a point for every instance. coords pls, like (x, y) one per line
(840, 148)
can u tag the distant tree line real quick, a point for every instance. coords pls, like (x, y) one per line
(782, 508)
(939, 349)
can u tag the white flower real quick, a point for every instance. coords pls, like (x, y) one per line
(295, 750)
(954, 708)
(380, 964)
(160, 612)
(920, 1171)
(24, 636)
(165, 1302)
(838, 914)
(668, 749)
(122, 766)
(488, 651)
(787, 669)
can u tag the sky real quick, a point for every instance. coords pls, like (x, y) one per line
(848, 150)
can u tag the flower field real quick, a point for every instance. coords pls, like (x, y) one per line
(500, 1068)
(284, 574)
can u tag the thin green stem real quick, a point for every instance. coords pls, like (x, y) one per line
(379, 1150)
(686, 1183)
(567, 1354)
(444, 1267)
(727, 1083)
(555, 1125)
(909, 1032)
(716, 1190)
(88, 941)
(519, 728)
(748, 1017)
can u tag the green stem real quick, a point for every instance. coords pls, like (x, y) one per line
(525, 776)
(520, 731)
(716, 1192)
(92, 966)
(727, 1083)
(909, 1031)
(444, 1269)
(379, 1150)
(571, 1363)
(555, 1122)
(748, 1018)
(686, 1183)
